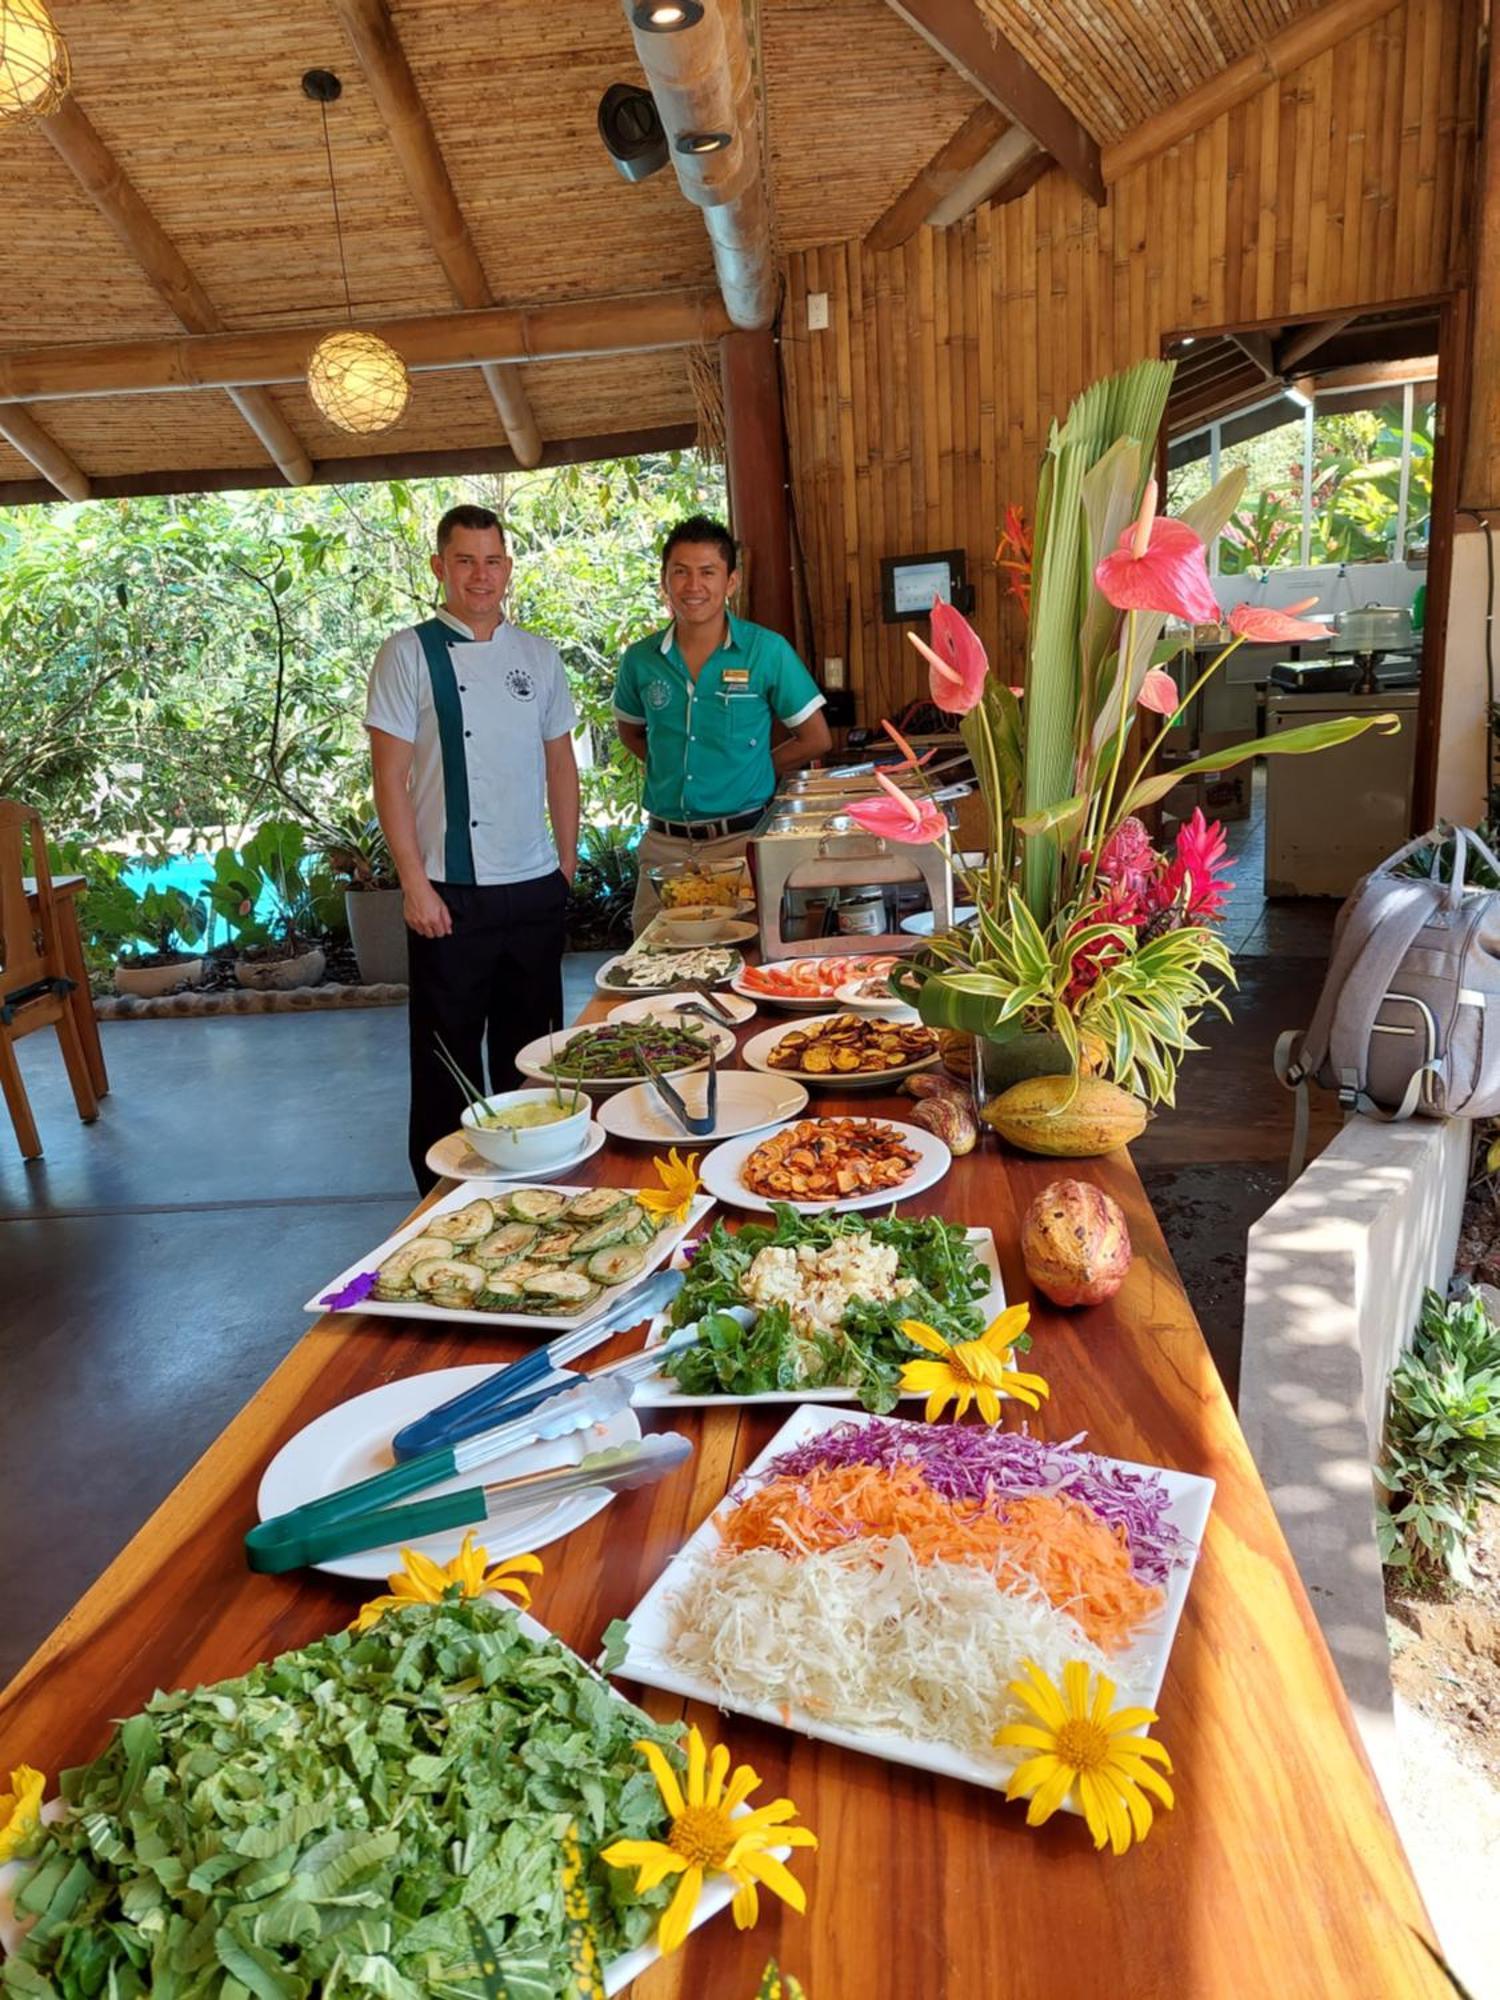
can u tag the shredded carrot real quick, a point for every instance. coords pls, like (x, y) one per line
(1079, 1562)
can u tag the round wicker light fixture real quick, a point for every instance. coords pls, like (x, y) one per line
(357, 381)
(34, 73)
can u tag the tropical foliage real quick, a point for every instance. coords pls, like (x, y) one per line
(1085, 927)
(1442, 1439)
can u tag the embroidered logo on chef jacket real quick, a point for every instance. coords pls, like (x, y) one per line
(658, 694)
(520, 684)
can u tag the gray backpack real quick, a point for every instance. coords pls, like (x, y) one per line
(1401, 1028)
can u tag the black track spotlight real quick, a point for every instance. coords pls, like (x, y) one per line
(666, 17)
(631, 131)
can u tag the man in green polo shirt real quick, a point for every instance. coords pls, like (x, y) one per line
(698, 702)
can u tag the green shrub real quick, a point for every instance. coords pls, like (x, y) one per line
(1442, 1440)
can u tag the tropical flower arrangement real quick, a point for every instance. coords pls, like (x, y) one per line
(1087, 928)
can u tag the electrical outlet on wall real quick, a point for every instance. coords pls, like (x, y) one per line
(817, 312)
(833, 673)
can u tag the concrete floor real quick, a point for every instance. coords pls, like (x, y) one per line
(153, 1266)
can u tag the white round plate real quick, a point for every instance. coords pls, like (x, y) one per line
(663, 1007)
(880, 1007)
(666, 983)
(353, 1441)
(720, 1174)
(733, 930)
(456, 1160)
(747, 1103)
(757, 1053)
(530, 1060)
(921, 924)
(820, 998)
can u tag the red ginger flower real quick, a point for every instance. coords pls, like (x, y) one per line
(1159, 565)
(1200, 870)
(1127, 859)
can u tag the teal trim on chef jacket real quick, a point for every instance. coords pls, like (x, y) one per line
(458, 849)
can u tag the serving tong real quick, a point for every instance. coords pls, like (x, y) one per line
(695, 1125)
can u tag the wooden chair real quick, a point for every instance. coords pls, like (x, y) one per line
(34, 987)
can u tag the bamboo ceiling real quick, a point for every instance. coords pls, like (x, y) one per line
(202, 109)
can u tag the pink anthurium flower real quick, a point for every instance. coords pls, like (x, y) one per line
(915, 822)
(1258, 623)
(1159, 565)
(1158, 692)
(912, 761)
(956, 660)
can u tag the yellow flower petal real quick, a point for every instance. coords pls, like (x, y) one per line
(1009, 1326)
(697, 1756)
(1024, 1736)
(1131, 1749)
(1076, 1688)
(1040, 1696)
(1154, 1783)
(988, 1402)
(745, 1781)
(20, 1808)
(1104, 1694)
(1049, 1795)
(1026, 1388)
(666, 1778)
(778, 1878)
(428, 1583)
(935, 1405)
(1137, 1804)
(678, 1916)
(1090, 1797)
(1025, 1778)
(372, 1613)
(1126, 1719)
(920, 1334)
(746, 1906)
(653, 1858)
(718, 1771)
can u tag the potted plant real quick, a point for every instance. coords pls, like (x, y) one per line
(277, 908)
(360, 860)
(1094, 948)
(163, 922)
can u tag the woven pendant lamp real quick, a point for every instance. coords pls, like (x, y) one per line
(34, 72)
(356, 379)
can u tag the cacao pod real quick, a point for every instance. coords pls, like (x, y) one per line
(952, 1119)
(1075, 1244)
(933, 1083)
(1066, 1118)
(957, 1051)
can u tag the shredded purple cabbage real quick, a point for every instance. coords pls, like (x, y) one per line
(350, 1295)
(964, 1462)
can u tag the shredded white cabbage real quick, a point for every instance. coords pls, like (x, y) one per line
(865, 1637)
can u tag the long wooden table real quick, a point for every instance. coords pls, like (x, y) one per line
(1279, 1873)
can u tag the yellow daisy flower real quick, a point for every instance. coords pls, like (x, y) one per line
(679, 1183)
(972, 1371)
(20, 1809)
(709, 1832)
(1082, 1748)
(422, 1581)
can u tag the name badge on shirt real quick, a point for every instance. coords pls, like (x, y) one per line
(735, 680)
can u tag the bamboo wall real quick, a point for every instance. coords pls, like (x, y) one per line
(918, 416)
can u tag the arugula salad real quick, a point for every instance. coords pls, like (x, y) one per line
(827, 1294)
(369, 1815)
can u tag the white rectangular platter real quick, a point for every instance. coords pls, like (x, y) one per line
(665, 1242)
(1142, 1667)
(660, 1392)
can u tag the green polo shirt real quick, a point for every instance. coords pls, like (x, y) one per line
(708, 747)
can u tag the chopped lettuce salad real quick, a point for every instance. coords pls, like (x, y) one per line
(789, 1346)
(363, 1816)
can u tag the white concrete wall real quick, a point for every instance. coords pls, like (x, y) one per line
(1333, 1282)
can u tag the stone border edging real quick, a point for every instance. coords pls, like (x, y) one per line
(245, 1000)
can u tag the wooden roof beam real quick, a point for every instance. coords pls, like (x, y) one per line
(19, 428)
(1257, 347)
(1306, 340)
(703, 81)
(1284, 52)
(375, 41)
(936, 178)
(102, 178)
(429, 341)
(962, 36)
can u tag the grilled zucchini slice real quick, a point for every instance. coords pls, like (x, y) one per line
(614, 1229)
(563, 1291)
(536, 1204)
(504, 1243)
(448, 1275)
(393, 1279)
(465, 1225)
(617, 1266)
(596, 1203)
(504, 1285)
(555, 1246)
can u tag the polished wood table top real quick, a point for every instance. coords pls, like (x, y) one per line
(1279, 1873)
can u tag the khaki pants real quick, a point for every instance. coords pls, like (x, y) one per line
(658, 849)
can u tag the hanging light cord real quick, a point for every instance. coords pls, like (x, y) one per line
(338, 227)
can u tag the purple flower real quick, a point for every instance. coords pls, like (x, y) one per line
(358, 1288)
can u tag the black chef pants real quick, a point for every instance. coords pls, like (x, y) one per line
(494, 983)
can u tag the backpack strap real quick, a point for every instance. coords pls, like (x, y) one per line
(1378, 931)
